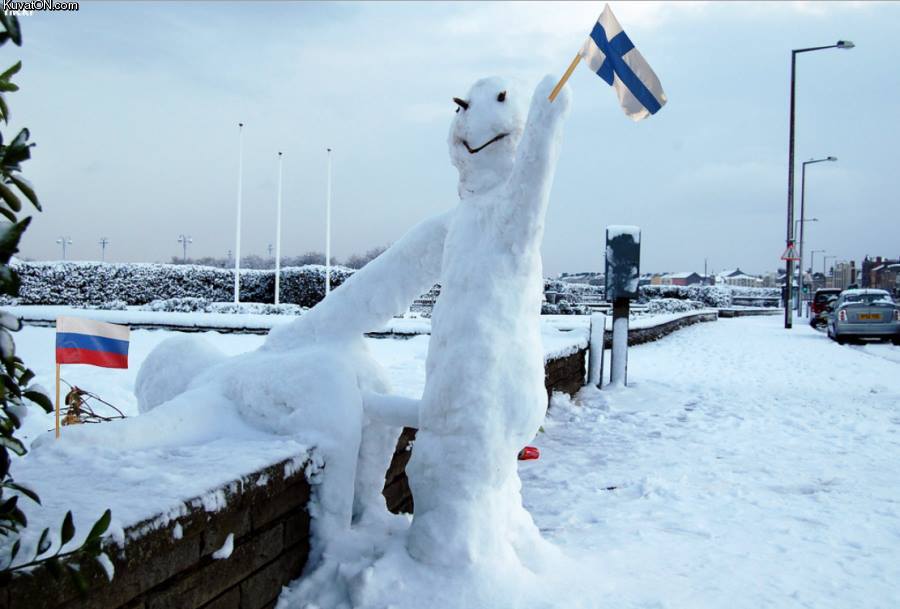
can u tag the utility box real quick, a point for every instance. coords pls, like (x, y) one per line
(623, 262)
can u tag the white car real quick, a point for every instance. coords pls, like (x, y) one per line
(865, 313)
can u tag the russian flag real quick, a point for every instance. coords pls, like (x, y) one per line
(84, 341)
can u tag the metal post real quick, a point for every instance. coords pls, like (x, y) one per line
(328, 229)
(103, 243)
(789, 266)
(237, 238)
(278, 238)
(618, 363)
(802, 229)
(596, 350)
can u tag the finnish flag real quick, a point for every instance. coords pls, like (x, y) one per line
(611, 54)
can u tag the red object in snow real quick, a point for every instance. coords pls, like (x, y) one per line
(529, 453)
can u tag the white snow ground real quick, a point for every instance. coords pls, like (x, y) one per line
(754, 467)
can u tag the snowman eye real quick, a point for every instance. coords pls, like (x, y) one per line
(461, 103)
(501, 97)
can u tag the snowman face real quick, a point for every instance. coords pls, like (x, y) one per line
(485, 131)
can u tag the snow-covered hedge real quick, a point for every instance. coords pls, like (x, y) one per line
(202, 305)
(95, 283)
(673, 305)
(709, 295)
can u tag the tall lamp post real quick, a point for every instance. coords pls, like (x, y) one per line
(64, 241)
(184, 240)
(328, 228)
(240, 199)
(789, 264)
(103, 243)
(812, 264)
(278, 236)
(802, 214)
(798, 229)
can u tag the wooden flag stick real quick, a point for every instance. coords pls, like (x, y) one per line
(565, 77)
(57, 401)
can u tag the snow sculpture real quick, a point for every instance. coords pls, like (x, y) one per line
(170, 368)
(484, 396)
(310, 378)
(484, 399)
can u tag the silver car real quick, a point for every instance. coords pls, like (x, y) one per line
(865, 313)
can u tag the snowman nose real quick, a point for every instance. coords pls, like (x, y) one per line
(461, 103)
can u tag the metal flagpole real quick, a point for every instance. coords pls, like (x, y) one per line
(328, 229)
(278, 238)
(237, 246)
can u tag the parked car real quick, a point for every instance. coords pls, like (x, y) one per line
(864, 313)
(819, 321)
(821, 299)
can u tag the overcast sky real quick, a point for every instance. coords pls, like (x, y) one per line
(135, 105)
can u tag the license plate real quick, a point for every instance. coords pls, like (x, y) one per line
(870, 316)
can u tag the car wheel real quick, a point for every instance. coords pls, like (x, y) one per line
(896, 341)
(840, 339)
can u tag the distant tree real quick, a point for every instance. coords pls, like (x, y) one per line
(303, 259)
(357, 261)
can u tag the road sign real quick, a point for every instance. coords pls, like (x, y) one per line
(790, 253)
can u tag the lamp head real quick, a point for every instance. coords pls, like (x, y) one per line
(844, 44)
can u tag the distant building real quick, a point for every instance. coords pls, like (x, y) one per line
(682, 279)
(843, 274)
(882, 273)
(738, 278)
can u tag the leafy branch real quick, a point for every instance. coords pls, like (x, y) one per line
(16, 389)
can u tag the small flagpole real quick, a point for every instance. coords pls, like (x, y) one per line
(565, 77)
(278, 239)
(237, 245)
(57, 401)
(328, 229)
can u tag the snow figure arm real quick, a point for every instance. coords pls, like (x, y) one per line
(391, 410)
(532, 175)
(372, 295)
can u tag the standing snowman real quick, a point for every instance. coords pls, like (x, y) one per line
(484, 396)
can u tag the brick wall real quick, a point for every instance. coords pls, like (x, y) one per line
(158, 569)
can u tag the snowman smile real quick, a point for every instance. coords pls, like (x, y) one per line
(485, 145)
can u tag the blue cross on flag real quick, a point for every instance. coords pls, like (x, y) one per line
(611, 54)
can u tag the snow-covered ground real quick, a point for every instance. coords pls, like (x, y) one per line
(745, 466)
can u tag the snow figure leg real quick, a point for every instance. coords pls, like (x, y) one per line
(366, 301)
(484, 396)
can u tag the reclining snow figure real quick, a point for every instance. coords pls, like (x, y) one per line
(484, 396)
(310, 376)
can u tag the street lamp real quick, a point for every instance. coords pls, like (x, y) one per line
(840, 44)
(802, 214)
(103, 243)
(184, 240)
(800, 265)
(812, 264)
(64, 241)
